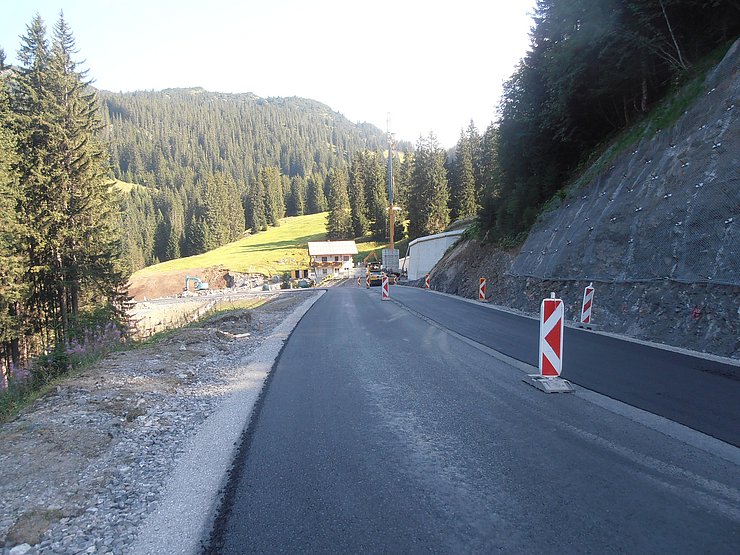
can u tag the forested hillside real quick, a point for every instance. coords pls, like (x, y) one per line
(594, 68)
(214, 164)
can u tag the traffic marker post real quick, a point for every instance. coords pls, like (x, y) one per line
(426, 281)
(552, 321)
(482, 289)
(551, 337)
(588, 301)
(358, 282)
(367, 282)
(385, 292)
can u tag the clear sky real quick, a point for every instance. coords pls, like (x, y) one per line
(432, 64)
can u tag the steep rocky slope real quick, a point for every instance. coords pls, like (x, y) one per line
(657, 230)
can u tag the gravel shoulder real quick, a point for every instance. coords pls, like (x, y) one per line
(87, 467)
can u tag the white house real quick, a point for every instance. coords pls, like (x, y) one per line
(331, 258)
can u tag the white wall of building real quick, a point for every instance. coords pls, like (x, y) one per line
(425, 252)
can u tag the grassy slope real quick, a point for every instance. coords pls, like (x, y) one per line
(277, 250)
(124, 186)
(271, 252)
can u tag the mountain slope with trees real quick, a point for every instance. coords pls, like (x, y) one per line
(594, 68)
(198, 152)
(653, 223)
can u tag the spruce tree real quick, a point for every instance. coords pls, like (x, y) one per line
(72, 240)
(256, 215)
(274, 203)
(357, 200)
(463, 191)
(339, 225)
(429, 195)
(214, 212)
(316, 201)
(376, 194)
(297, 196)
(12, 261)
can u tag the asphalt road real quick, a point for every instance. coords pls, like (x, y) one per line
(379, 432)
(700, 393)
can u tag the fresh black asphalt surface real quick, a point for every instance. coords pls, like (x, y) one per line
(379, 432)
(700, 393)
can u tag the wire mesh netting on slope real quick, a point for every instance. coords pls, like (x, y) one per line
(667, 210)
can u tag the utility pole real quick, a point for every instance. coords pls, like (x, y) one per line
(391, 212)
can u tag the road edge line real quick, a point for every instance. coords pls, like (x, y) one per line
(655, 422)
(575, 326)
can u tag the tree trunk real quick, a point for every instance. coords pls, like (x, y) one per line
(14, 343)
(681, 62)
(15, 352)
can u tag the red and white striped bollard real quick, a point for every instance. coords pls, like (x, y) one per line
(588, 301)
(551, 337)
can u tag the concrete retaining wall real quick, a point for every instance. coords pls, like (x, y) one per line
(425, 252)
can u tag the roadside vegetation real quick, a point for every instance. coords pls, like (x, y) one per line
(48, 371)
(63, 297)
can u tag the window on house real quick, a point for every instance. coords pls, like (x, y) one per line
(346, 258)
(336, 259)
(323, 259)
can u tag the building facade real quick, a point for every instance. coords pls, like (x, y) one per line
(332, 258)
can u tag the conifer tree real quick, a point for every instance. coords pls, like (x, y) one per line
(463, 190)
(316, 201)
(72, 240)
(256, 215)
(214, 212)
(12, 262)
(376, 194)
(357, 200)
(175, 226)
(429, 195)
(339, 225)
(403, 181)
(274, 203)
(297, 205)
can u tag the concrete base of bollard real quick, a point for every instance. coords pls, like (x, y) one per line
(549, 385)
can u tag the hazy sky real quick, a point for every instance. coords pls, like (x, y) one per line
(433, 64)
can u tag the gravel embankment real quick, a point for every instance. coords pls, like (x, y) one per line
(83, 467)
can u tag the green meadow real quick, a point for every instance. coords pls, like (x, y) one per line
(272, 252)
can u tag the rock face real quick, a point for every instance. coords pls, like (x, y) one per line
(667, 209)
(657, 229)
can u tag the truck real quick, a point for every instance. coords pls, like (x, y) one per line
(374, 272)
